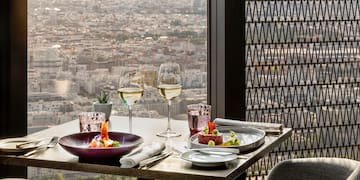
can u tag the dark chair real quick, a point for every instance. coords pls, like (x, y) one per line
(316, 169)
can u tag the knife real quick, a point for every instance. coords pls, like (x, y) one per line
(222, 150)
(147, 163)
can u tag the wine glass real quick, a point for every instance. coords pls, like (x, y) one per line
(131, 90)
(169, 87)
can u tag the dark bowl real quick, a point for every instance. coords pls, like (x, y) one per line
(77, 144)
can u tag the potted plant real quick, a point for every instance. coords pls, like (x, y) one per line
(103, 104)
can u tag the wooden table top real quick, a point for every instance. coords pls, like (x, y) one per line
(172, 167)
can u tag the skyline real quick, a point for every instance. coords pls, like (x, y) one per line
(73, 55)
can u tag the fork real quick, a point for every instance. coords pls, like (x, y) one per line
(34, 142)
(51, 144)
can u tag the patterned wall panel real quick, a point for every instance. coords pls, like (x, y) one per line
(303, 70)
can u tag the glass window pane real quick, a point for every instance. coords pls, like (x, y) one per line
(76, 48)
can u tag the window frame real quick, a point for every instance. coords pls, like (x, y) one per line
(227, 73)
(216, 57)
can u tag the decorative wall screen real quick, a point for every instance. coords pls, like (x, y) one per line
(303, 70)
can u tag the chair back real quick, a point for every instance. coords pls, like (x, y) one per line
(316, 169)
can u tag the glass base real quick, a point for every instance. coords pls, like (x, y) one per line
(168, 134)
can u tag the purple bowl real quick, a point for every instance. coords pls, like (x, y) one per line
(77, 144)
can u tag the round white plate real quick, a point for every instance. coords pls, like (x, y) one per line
(207, 160)
(250, 138)
(9, 145)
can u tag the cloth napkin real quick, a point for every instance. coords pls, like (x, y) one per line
(269, 128)
(145, 152)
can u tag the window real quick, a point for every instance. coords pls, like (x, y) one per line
(76, 48)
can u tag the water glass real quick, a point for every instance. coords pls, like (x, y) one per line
(198, 116)
(91, 121)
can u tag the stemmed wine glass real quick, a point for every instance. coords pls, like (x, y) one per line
(131, 90)
(169, 87)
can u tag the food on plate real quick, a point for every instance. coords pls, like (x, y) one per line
(233, 140)
(102, 139)
(211, 143)
(232, 133)
(210, 135)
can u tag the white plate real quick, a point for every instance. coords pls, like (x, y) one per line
(250, 138)
(9, 145)
(207, 160)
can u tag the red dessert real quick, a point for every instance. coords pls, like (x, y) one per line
(205, 138)
(211, 134)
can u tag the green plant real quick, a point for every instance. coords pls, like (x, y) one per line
(59, 176)
(103, 97)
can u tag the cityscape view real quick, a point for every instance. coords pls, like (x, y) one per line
(76, 48)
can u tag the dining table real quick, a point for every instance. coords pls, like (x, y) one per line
(172, 167)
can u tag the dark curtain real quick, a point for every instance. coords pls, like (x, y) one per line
(13, 120)
(235, 75)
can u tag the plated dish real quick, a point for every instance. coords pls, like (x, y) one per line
(9, 145)
(207, 160)
(102, 139)
(250, 138)
(78, 144)
(212, 136)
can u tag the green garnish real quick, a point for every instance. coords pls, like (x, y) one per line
(232, 133)
(116, 144)
(237, 141)
(206, 130)
(211, 143)
(215, 132)
(234, 141)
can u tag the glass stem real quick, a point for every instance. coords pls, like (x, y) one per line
(130, 119)
(169, 126)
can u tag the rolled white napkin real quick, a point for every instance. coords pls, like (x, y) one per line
(146, 152)
(271, 128)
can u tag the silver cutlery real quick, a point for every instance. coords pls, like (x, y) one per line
(219, 153)
(34, 143)
(224, 151)
(147, 163)
(51, 144)
(242, 157)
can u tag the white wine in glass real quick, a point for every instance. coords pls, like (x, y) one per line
(169, 91)
(130, 91)
(169, 87)
(130, 95)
